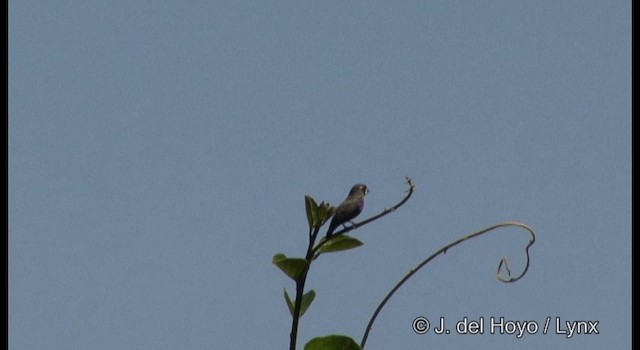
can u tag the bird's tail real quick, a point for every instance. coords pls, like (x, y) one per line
(332, 228)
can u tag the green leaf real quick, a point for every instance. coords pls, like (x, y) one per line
(317, 214)
(307, 299)
(338, 243)
(292, 267)
(332, 342)
(311, 207)
(289, 303)
(326, 211)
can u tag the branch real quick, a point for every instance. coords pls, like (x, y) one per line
(312, 254)
(503, 262)
(406, 197)
(293, 336)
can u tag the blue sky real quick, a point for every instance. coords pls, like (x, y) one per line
(159, 154)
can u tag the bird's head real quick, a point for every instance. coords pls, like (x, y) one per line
(359, 189)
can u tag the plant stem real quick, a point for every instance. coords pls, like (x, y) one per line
(300, 291)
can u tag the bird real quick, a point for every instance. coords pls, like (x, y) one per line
(349, 208)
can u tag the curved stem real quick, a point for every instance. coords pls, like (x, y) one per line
(503, 262)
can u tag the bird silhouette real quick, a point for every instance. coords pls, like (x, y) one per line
(349, 208)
